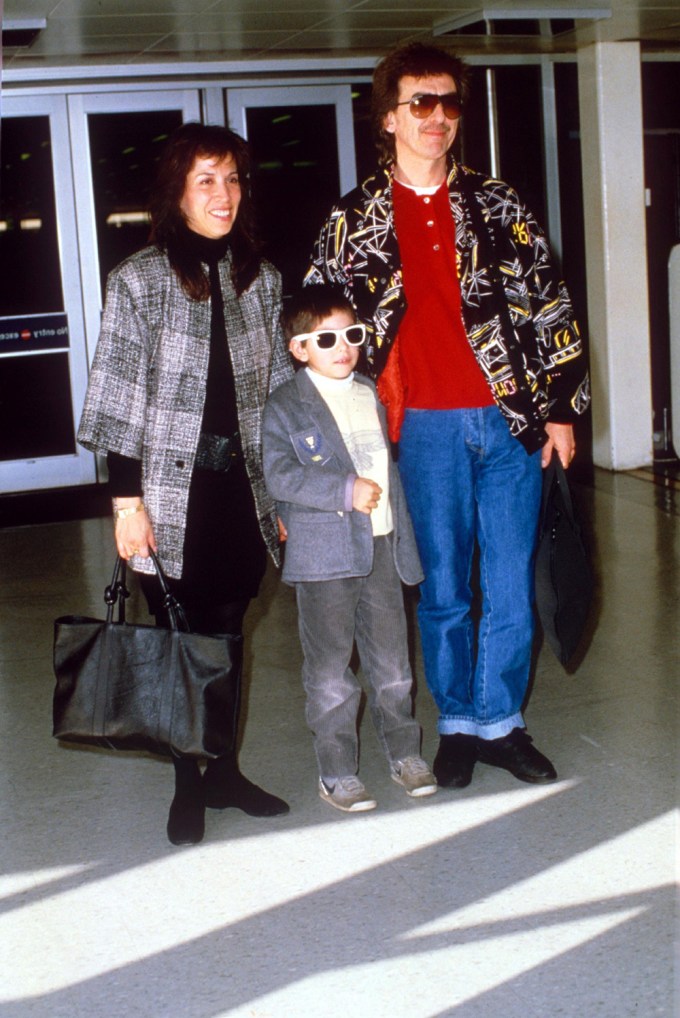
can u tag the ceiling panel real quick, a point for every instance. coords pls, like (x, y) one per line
(185, 31)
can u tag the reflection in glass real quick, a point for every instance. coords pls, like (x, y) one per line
(124, 150)
(295, 152)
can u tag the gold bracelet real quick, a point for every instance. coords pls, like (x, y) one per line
(121, 514)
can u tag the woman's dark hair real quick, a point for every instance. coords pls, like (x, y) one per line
(415, 60)
(190, 142)
(307, 307)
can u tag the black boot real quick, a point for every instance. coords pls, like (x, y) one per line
(455, 760)
(225, 786)
(186, 820)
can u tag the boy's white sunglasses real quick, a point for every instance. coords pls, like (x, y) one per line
(326, 339)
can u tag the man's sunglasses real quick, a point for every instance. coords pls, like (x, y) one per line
(326, 339)
(421, 106)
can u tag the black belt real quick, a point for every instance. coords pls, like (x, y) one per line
(218, 452)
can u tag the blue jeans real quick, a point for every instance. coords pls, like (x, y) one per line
(468, 482)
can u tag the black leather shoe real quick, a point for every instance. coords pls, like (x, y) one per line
(186, 820)
(455, 760)
(515, 753)
(232, 789)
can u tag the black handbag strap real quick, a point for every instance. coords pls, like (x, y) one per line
(117, 593)
(178, 619)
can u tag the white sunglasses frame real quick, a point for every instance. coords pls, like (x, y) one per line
(304, 336)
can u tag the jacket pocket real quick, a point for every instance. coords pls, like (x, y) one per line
(319, 546)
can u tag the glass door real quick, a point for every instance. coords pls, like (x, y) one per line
(43, 362)
(116, 139)
(302, 140)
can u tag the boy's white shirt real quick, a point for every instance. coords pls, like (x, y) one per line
(355, 412)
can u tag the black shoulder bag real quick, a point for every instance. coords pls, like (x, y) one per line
(564, 581)
(123, 686)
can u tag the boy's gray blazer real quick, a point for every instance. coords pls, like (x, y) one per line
(309, 472)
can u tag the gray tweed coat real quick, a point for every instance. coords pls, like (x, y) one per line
(147, 386)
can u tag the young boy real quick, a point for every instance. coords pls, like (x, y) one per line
(349, 547)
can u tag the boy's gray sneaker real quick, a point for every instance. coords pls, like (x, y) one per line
(414, 776)
(347, 794)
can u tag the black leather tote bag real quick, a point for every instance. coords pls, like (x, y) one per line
(122, 686)
(564, 580)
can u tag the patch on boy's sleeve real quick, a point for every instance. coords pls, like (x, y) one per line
(311, 447)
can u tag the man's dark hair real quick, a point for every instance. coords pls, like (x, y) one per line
(307, 307)
(190, 142)
(415, 60)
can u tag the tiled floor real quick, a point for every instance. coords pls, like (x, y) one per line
(500, 901)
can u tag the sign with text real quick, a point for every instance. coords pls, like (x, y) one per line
(33, 332)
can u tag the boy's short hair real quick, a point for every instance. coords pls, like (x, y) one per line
(308, 306)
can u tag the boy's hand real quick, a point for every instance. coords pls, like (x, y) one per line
(366, 495)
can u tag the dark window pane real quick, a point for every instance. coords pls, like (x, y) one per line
(31, 277)
(295, 151)
(364, 145)
(520, 132)
(36, 416)
(571, 192)
(124, 149)
(473, 132)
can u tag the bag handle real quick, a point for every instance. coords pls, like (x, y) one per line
(117, 593)
(178, 619)
(555, 474)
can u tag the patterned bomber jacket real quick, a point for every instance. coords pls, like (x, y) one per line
(358, 250)
(147, 386)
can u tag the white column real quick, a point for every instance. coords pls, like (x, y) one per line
(610, 103)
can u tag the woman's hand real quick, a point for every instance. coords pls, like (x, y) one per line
(560, 437)
(133, 532)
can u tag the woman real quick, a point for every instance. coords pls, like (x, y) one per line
(189, 349)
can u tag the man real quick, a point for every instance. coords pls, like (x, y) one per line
(480, 364)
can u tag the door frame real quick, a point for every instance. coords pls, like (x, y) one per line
(77, 467)
(80, 107)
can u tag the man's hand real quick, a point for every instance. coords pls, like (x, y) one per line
(560, 437)
(366, 495)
